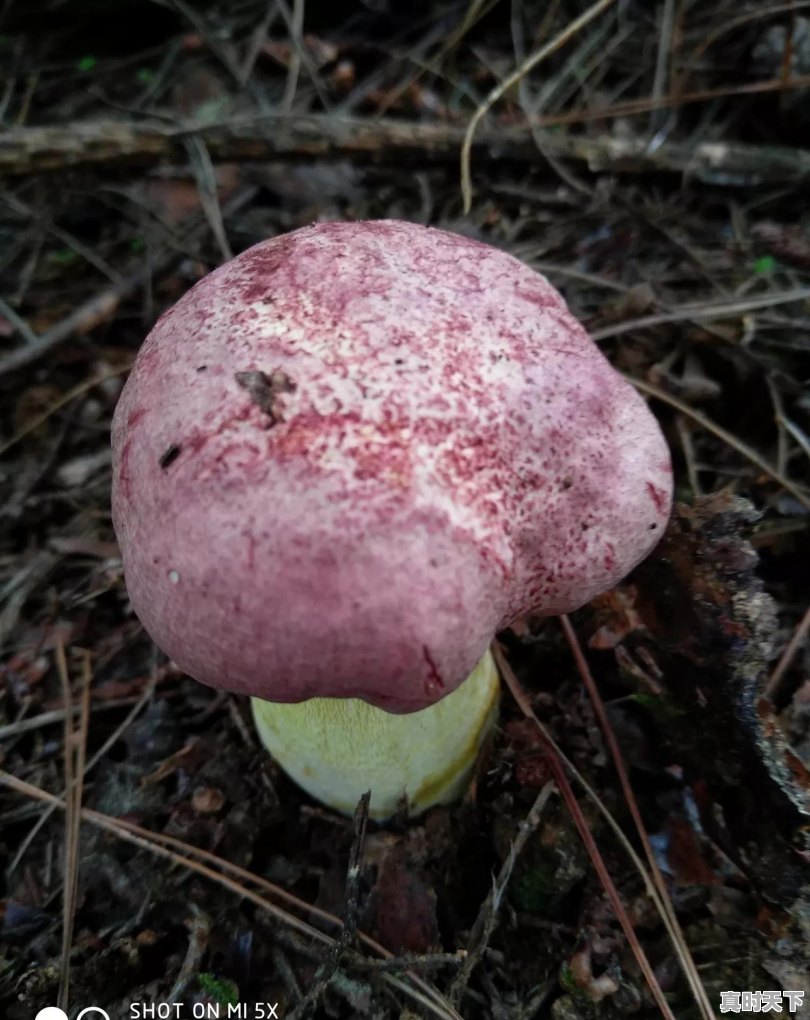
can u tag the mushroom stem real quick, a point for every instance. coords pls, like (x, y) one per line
(337, 748)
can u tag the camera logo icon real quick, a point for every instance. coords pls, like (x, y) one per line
(55, 1013)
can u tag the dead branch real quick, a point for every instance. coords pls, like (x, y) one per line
(488, 912)
(31, 150)
(328, 969)
(102, 305)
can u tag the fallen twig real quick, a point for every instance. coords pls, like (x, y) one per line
(74, 755)
(488, 912)
(560, 765)
(25, 151)
(705, 312)
(99, 307)
(221, 870)
(787, 657)
(97, 756)
(64, 399)
(500, 90)
(328, 968)
(671, 921)
(199, 930)
(737, 444)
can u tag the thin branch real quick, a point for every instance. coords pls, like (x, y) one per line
(303, 56)
(22, 209)
(500, 90)
(57, 405)
(787, 657)
(736, 444)
(91, 764)
(263, 137)
(99, 307)
(17, 322)
(205, 176)
(184, 854)
(75, 744)
(704, 312)
(488, 912)
(296, 28)
(199, 931)
(220, 49)
(675, 933)
(560, 764)
(663, 59)
(328, 968)
(257, 41)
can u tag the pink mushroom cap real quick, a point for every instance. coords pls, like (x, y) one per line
(349, 456)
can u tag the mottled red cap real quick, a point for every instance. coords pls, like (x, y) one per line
(348, 457)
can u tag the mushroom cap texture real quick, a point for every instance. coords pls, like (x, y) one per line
(346, 458)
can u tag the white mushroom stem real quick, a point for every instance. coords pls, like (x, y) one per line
(337, 748)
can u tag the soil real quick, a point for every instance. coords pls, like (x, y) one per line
(651, 166)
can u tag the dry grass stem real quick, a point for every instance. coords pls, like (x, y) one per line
(663, 901)
(561, 764)
(704, 312)
(774, 683)
(531, 62)
(488, 913)
(184, 854)
(75, 746)
(736, 444)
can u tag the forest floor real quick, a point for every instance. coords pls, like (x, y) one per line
(646, 157)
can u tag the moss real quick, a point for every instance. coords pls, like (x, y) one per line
(222, 990)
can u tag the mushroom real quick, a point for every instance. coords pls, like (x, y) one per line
(347, 458)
